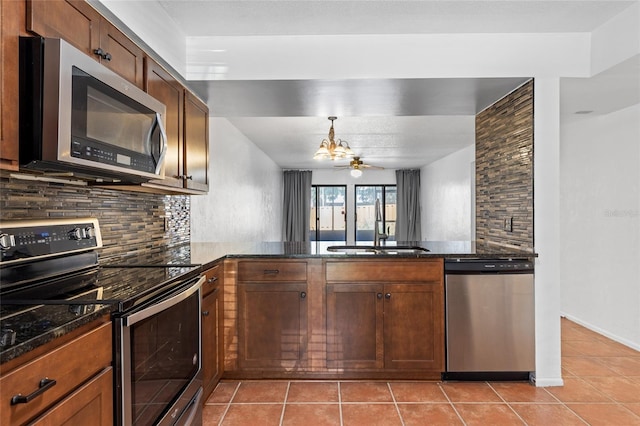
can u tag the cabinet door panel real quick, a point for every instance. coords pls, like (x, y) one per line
(165, 88)
(196, 137)
(12, 24)
(75, 21)
(126, 57)
(92, 404)
(211, 341)
(354, 326)
(413, 326)
(272, 325)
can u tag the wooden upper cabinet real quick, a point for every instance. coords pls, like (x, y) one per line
(82, 26)
(12, 25)
(165, 88)
(124, 56)
(196, 140)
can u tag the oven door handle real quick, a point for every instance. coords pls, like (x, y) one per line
(164, 304)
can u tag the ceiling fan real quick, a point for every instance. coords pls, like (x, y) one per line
(356, 165)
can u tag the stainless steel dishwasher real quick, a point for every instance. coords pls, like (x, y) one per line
(490, 329)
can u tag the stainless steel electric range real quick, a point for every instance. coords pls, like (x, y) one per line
(51, 281)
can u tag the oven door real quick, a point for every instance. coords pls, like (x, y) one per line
(159, 378)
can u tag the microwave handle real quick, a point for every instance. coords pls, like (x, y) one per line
(164, 146)
(165, 304)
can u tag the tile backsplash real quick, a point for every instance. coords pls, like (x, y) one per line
(504, 170)
(132, 223)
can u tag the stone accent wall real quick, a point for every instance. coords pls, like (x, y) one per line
(504, 170)
(132, 223)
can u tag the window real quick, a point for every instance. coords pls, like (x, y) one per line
(365, 211)
(328, 213)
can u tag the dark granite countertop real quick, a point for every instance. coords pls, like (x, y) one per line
(207, 253)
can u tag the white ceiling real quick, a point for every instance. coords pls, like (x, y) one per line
(394, 123)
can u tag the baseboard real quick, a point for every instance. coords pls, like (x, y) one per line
(546, 382)
(605, 333)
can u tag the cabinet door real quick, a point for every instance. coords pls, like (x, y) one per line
(354, 326)
(91, 404)
(162, 86)
(272, 320)
(211, 340)
(72, 20)
(414, 326)
(196, 143)
(11, 23)
(82, 26)
(124, 56)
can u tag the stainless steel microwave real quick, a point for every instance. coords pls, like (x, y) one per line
(78, 116)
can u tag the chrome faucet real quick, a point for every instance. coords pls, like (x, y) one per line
(377, 235)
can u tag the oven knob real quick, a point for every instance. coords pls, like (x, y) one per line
(7, 241)
(77, 234)
(89, 232)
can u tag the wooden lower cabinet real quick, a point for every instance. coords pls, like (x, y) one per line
(92, 404)
(355, 326)
(385, 326)
(272, 325)
(212, 331)
(83, 388)
(336, 318)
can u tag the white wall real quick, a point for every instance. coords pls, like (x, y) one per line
(244, 202)
(600, 223)
(445, 192)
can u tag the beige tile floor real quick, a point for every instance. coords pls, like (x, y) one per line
(601, 387)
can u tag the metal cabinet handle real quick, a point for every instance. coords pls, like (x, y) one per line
(379, 295)
(212, 280)
(44, 385)
(387, 296)
(205, 313)
(271, 271)
(104, 55)
(303, 295)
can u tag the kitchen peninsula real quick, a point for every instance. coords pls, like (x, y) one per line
(293, 310)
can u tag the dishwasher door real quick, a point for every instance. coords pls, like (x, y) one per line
(490, 319)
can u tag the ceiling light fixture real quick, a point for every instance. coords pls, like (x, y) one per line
(332, 150)
(356, 172)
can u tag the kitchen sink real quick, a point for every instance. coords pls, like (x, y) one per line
(378, 249)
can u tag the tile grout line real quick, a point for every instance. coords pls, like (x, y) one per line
(505, 401)
(284, 403)
(451, 403)
(340, 403)
(226, 410)
(395, 403)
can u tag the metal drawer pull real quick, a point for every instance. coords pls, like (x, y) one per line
(205, 313)
(271, 271)
(43, 386)
(303, 295)
(379, 295)
(387, 296)
(212, 280)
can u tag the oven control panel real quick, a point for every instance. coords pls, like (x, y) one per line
(34, 239)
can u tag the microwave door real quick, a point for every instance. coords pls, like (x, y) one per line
(163, 146)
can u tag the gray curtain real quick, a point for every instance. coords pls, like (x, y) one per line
(408, 205)
(297, 205)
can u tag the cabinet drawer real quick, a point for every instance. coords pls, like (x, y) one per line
(69, 365)
(213, 277)
(272, 271)
(385, 270)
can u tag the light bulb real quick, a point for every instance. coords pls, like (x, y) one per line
(356, 173)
